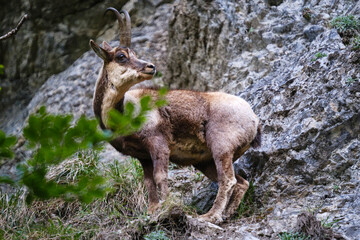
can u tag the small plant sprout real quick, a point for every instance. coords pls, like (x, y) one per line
(350, 80)
(306, 13)
(356, 43)
(318, 55)
(158, 74)
(293, 236)
(326, 223)
(198, 177)
(156, 235)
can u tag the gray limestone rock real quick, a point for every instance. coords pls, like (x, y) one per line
(310, 115)
(312, 32)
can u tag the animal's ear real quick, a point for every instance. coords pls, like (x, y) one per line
(106, 46)
(101, 52)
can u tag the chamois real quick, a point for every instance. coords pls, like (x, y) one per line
(208, 130)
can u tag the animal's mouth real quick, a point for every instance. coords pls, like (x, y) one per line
(152, 72)
(146, 75)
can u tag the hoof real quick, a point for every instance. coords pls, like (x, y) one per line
(212, 218)
(153, 208)
(228, 214)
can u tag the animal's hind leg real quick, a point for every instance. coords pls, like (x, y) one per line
(226, 180)
(239, 191)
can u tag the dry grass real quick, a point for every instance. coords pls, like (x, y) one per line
(83, 163)
(121, 215)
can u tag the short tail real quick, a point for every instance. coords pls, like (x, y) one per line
(257, 140)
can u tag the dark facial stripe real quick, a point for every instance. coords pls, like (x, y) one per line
(120, 105)
(131, 62)
(99, 96)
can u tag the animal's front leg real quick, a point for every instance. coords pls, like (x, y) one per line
(160, 153)
(150, 185)
(161, 178)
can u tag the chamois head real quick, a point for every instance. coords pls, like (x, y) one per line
(124, 69)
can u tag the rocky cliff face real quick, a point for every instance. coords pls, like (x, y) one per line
(266, 52)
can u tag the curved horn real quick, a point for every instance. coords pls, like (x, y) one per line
(125, 27)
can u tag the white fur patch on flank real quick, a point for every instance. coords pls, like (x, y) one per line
(152, 117)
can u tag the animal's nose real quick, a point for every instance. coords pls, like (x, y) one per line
(152, 66)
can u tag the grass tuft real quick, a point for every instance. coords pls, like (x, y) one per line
(318, 55)
(346, 23)
(156, 235)
(59, 219)
(293, 236)
(84, 163)
(248, 206)
(130, 192)
(348, 28)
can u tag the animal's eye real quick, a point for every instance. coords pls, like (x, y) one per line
(121, 57)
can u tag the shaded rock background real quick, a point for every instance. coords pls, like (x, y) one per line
(55, 35)
(262, 51)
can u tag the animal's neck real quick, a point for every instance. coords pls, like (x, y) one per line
(106, 97)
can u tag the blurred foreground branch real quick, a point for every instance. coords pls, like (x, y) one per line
(15, 30)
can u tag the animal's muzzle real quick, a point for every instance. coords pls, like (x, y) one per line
(150, 69)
